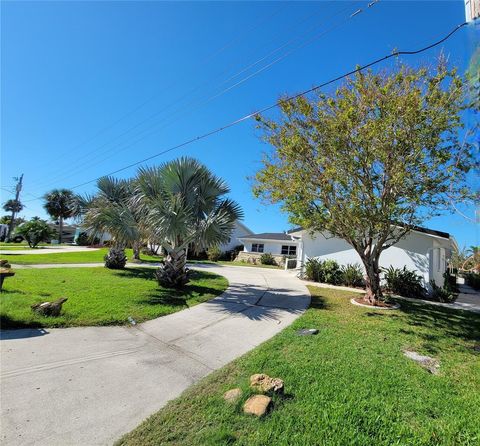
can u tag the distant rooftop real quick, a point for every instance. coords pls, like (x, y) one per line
(270, 236)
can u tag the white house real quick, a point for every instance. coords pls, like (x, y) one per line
(423, 250)
(238, 232)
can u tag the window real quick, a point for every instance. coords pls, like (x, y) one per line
(257, 247)
(289, 250)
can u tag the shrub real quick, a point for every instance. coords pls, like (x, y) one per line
(442, 294)
(404, 282)
(327, 271)
(84, 239)
(214, 253)
(115, 258)
(267, 259)
(352, 275)
(450, 282)
(35, 231)
(330, 272)
(473, 280)
(312, 269)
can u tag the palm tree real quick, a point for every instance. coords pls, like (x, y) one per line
(58, 204)
(111, 210)
(13, 206)
(183, 203)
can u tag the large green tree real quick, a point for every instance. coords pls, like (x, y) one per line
(59, 205)
(184, 203)
(381, 154)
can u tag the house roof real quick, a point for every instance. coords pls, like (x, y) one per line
(414, 228)
(281, 236)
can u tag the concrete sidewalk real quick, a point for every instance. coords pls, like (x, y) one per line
(88, 386)
(49, 250)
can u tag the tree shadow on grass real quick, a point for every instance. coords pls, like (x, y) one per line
(7, 291)
(435, 323)
(460, 324)
(178, 297)
(137, 273)
(319, 303)
(17, 329)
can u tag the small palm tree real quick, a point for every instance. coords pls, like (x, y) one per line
(183, 203)
(111, 210)
(59, 205)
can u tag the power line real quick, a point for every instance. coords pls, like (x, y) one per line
(194, 104)
(200, 64)
(276, 104)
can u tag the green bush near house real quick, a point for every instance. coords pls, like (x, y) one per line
(214, 253)
(267, 259)
(473, 280)
(324, 271)
(352, 275)
(403, 282)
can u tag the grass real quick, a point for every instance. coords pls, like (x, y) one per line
(90, 256)
(98, 296)
(348, 385)
(96, 256)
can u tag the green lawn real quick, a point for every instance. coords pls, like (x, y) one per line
(98, 296)
(348, 385)
(90, 256)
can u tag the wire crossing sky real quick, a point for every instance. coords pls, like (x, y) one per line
(91, 87)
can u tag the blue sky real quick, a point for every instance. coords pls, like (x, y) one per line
(88, 87)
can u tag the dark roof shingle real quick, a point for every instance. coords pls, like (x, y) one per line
(270, 236)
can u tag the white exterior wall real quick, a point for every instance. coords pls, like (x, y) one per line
(417, 251)
(273, 247)
(240, 230)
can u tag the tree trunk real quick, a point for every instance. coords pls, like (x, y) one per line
(136, 250)
(173, 273)
(372, 280)
(10, 227)
(60, 230)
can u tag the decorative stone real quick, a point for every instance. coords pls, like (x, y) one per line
(431, 364)
(257, 405)
(232, 396)
(5, 272)
(49, 308)
(263, 383)
(307, 331)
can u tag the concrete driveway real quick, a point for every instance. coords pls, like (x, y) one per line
(88, 386)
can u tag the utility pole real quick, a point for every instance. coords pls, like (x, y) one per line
(18, 189)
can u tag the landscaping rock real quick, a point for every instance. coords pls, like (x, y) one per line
(431, 364)
(49, 308)
(263, 383)
(5, 272)
(257, 405)
(232, 396)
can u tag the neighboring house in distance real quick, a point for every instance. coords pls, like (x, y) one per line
(238, 232)
(425, 251)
